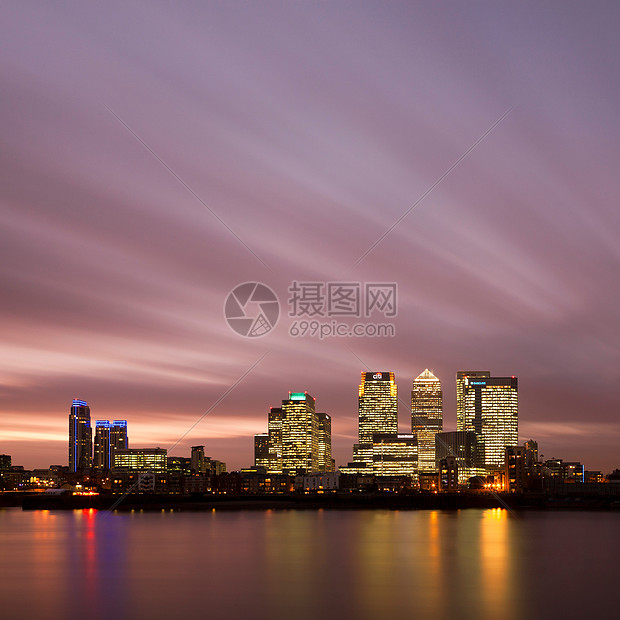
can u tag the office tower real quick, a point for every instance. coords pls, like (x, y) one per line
(378, 411)
(395, 454)
(109, 437)
(198, 459)
(274, 427)
(325, 443)
(463, 446)
(426, 417)
(490, 409)
(80, 436)
(262, 455)
(300, 434)
(141, 459)
(461, 375)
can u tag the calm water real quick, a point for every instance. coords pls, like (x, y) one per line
(305, 564)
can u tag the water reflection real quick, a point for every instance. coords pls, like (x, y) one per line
(494, 558)
(298, 564)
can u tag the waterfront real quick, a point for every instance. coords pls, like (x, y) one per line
(307, 564)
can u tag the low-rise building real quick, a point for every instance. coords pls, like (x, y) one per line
(318, 483)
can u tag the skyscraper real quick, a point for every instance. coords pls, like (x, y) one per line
(109, 437)
(461, 375)
(274, 427)
(300, 434)
(101, 452)
(426, 417)
(490, 409)
(118, 437)
(377, 410)
(326, 463)
(80, 436)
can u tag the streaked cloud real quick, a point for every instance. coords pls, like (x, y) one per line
(309, 128)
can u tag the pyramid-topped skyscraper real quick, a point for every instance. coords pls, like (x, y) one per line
(426, 417)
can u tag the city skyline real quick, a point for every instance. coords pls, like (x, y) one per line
(319, 299)
(480, 393)
(467, 155)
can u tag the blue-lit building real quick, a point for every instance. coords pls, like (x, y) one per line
(80, 436)
(109, 437)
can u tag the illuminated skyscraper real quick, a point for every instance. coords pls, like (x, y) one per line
(109, 437)
(274, 427)
(491, 411)
(300, 434)
(326, 463)
(101, 451)
(378, 411)
(461, 375)
(426, 417)
(80, 436)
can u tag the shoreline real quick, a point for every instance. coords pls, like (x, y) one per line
(335, 501)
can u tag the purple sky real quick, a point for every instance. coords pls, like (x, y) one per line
(309, 129)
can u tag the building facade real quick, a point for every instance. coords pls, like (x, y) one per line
(395, 454)
(80, 436)
(141, 459)
(426, 417)
(101, 445)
